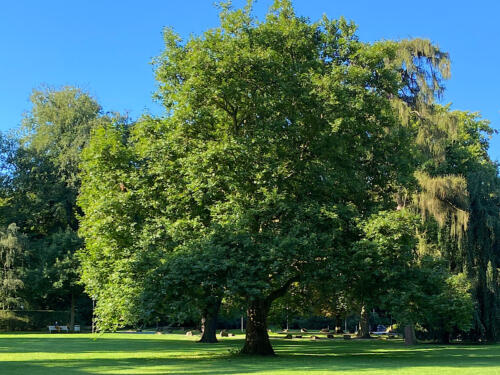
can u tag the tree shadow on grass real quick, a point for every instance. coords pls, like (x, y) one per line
(101, 344)
(158, 356)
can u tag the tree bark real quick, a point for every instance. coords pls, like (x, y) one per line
(364, 323)
(410, 338)
(209, 323)
(72, 313)
(257, 339)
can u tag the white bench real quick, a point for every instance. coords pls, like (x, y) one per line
(58, 329)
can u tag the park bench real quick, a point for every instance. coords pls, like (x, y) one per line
(58, 329)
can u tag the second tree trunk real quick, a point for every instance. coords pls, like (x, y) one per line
(209, 323)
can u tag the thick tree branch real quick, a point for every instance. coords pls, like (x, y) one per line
(282, 290)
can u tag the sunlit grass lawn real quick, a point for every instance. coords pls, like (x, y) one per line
(177, 354)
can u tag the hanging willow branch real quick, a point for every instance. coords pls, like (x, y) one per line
(423, 68)
(446, 199)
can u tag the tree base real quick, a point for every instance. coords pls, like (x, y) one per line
(264, 349)
(257, 339)
(208, 340)
(364, 336)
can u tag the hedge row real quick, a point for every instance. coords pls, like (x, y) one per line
(31, 320)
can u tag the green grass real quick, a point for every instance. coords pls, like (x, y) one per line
(177, 354)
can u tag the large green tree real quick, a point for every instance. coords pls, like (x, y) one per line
(278, 134)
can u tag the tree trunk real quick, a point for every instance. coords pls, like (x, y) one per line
(410, 338)
(338, 324)
(72, 313)
(364, 323)
(257, 339)
(209, 323)
(444, 338)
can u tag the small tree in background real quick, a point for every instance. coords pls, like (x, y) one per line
(12, 248)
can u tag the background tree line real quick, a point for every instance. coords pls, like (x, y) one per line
(39, 186)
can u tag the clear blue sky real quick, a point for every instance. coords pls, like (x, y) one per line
(105, 46)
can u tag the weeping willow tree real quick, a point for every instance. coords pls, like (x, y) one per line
(456, 185)
(459, 189)
(424, 68)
